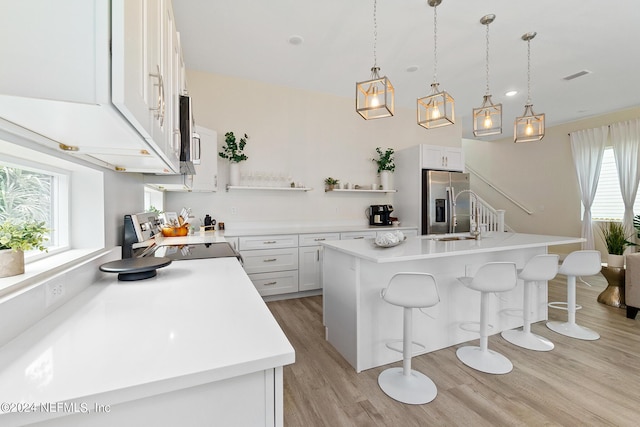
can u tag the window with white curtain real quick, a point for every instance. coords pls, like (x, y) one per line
(608, 204)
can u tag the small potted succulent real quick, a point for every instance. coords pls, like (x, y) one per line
(330, 183)
(15, 238)
(385, 166)
(232, 151)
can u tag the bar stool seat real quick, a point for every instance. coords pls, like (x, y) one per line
(409, 290)
(578, 263)
(539, 268)
(491, 277)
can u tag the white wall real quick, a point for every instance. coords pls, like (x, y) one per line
(311, 135)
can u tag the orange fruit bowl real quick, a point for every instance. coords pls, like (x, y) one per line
(174, 231)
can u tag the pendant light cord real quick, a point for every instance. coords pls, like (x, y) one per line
(435, 44)
(487, 60)
(375, 34)
(529, 72)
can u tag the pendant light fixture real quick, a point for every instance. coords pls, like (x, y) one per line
(487, 120)
(436, 109)
(529, 127)
(375, 97)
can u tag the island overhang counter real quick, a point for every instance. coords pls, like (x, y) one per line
(359, 324)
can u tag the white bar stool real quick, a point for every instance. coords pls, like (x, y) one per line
(538, 268)
(578, 263)
(409, 290)
(491, 277)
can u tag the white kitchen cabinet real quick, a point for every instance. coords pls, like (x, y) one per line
(269, 260)
(92, 97)
(310, 260)
(206, 177)
(269, 242)
(276, 283)
(443, 158)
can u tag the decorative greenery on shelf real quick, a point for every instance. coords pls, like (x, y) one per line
(615, 237)
(23, 236)
(331, 181)
(232, 151)
(385, 160)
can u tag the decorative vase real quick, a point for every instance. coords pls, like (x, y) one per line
(616, 261)
(11, 262)
(384, 179)
(234, 173)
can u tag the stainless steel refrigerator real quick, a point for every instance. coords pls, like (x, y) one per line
(439, 190)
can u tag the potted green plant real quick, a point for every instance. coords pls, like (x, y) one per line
(385, 166)
(617, 241)
(330, 183)
(232, 151)
(15, 238)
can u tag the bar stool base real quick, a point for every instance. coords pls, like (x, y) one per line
(489, 361)
(414, 389)
(573, 330)
(527, 340)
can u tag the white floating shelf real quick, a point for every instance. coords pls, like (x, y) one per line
(246, 187)
(360, 190)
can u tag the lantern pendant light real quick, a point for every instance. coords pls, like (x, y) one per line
(487, 120)
(436, 109)
(529, 127)
(375, 97)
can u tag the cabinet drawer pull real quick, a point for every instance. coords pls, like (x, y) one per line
(269, 259)
(266, 242)
(358, 237)
(270, 283)
(320, 239)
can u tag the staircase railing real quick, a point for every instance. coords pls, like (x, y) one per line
(499, 191)
(492, 219)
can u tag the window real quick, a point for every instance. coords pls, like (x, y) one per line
(608, 204)
(30, 191)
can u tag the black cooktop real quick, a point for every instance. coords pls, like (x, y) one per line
(198, 251)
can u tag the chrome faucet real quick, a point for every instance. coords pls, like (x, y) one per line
(475, 228)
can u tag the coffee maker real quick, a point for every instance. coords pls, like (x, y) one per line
(380, 214)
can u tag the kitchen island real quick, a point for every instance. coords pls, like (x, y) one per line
(358, 323)
(195, 345)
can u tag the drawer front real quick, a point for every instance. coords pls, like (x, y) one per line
(282, 282)
(270, 260)
(410, 233)
(358, 235)
(314, 239)
(269, 242)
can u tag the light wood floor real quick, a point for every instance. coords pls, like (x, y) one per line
(579, 383)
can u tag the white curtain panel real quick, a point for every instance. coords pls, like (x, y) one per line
(625, 138)
(587, 149)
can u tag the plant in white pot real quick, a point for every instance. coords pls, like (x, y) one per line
(385, 166)
(232, 151)
(617, 241)
(15, 238)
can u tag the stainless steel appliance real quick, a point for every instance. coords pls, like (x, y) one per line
(380, 214)
(189, 138)
(439, 193)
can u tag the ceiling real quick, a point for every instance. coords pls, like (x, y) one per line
(250, 39)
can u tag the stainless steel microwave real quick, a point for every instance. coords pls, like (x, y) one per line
(189, 138)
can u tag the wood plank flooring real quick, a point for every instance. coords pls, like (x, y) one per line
(579, 383)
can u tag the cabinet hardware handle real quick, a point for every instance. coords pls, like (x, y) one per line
(270, 283)
(358, 237)
(269, 259)
(159, 110)
(270, 241)
(320, 239)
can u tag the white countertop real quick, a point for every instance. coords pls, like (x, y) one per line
(196, 322)
(309, 229)
(424, 247)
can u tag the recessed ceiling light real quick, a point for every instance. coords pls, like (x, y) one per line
(511, 93)
(412, 68)
(296, 40)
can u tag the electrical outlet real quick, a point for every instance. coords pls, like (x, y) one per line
(54, 291)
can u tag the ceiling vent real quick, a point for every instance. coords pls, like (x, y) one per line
(576, 75)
